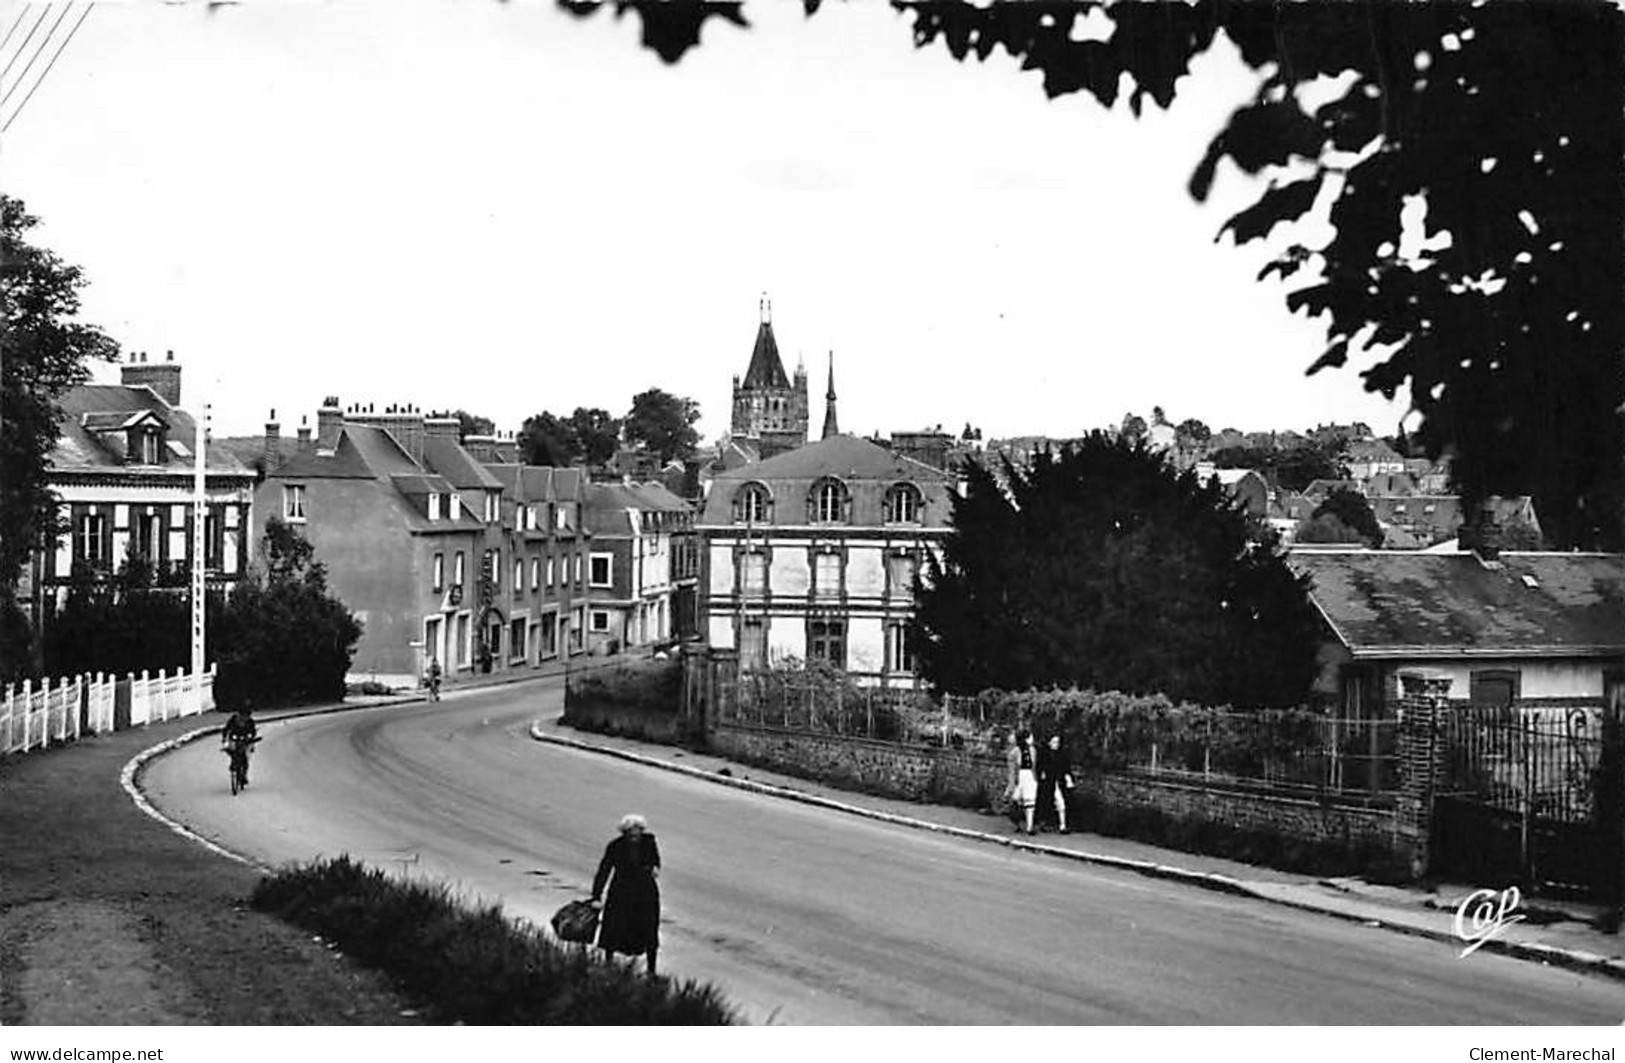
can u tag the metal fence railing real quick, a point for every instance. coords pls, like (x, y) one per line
(1524, 759)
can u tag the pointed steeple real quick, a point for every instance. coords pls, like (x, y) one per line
(831, 426)
(766, 369)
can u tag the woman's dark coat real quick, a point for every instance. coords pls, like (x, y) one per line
(631, 919)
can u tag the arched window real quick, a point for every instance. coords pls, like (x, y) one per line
(752, 505)
(828, 503)
(902, 504)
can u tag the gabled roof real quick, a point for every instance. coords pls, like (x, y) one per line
(1388, 604)
(448, 458)
(80, 449)
(847, 457)
(766, 369)
(346, 462)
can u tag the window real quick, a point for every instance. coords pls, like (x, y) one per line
(493, 506)
(827, 575)
(535, 573)
(518, 574)
(828, 503)
(149, 448)
(1498, 687)
(439, 572)
(518, 642)
(549, 632)
(753, 573)
(214, 541)
(598, 574)
(579, 558)
(454, 505)
(434, 507)
(902, 504)
(752, 643)
(552, 572)
(751, 505)
(457, 570)
(577, 632)
(561, 519)
(464, 632)
(149, 535)
(293, 503)
(90, 540)
(826, 641)
(899, 648)
(600, 620)
(900, 569)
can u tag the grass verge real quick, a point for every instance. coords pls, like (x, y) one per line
(474, 965)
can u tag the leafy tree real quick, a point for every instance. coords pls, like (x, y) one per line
(1351, 510)
(1290, 468)
(119, 624)
(1194, 432)
(45, 353)
(1501, 120)
(283, 638)
(1105, 568)
(664, 423)
(1133, 427)
(547, 440)
(471, 424)
(597, 434)
(1328, 528)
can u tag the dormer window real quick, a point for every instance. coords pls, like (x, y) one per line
(752, 505)
(150, 447)
(829, 502)
(902, 505)
(493, 506)
(434, 507)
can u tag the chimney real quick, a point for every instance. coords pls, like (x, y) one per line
(329, 419)
(164, 378)
(305, 443)
(442, 428)
(273, 443)
(1481, 535)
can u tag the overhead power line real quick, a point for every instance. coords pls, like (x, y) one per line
(23, 47)
(45, 42)
(18, 21)
(57, 55)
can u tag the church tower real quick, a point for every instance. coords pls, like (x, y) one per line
(769, 410)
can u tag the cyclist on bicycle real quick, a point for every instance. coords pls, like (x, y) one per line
(238, 736)
(432, 681)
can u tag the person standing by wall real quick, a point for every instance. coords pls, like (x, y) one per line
(630, 870)
(1054, 778)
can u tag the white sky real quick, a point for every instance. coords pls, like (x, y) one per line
(500, 208)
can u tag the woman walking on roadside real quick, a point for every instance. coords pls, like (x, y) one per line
(631, 870)
(1054, 778)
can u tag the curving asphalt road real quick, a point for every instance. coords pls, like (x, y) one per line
(809, 916)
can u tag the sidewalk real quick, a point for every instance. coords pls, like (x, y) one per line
(1553, 933)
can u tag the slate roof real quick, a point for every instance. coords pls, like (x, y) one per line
(766, 369)
(847, 457)
(1388, 604)
(80, 450)
(448, 458)
(607, 506)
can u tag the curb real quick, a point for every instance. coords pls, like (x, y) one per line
(1584, 962)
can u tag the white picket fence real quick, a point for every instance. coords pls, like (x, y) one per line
(63, 709)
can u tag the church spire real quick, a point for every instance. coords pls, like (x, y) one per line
(831, 426)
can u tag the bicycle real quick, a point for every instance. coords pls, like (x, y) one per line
(237, 765)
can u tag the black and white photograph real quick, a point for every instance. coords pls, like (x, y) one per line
(812, 513)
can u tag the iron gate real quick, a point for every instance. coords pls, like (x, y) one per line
(1521, 798)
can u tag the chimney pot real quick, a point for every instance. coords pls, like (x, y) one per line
(171, 357)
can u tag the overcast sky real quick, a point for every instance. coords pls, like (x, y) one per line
(500, 208)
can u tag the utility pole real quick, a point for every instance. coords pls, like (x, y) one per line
(199, 519)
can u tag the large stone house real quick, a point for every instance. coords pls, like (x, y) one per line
(811, 554)
(122, 469)
(1535, 628)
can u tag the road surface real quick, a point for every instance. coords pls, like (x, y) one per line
(804, 915)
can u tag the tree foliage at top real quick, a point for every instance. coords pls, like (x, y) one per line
(45, 353)
(1291, 468)
(1104, 568)
(664, 423)
(588, 435)
(1503, 119)
(472, 424)
(1344, 516)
